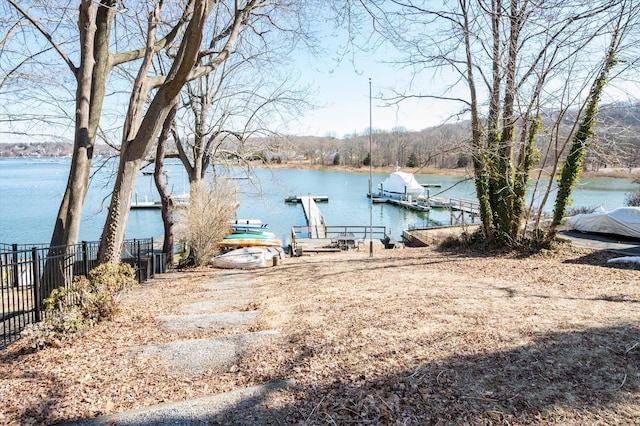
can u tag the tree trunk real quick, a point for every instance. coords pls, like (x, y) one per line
(67, 226)
(165, 196)
(134, 150)
(526, 160)
(574, 162)
(481, 173)
(113, 232)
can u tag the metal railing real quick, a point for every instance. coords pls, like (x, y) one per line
(362, 231)
(336, 232)
(29, 273)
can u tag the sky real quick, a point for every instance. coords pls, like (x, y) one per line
(342, 90)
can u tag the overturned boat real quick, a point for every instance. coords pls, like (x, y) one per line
(242, 258)
(249, 258)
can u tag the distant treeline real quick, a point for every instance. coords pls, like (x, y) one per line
(46, 149)
(616, 144)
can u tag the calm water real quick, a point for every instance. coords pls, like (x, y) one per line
(31, 189)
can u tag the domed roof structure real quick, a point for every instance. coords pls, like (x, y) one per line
(401, 185)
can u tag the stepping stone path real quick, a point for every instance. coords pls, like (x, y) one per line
(208, 321)
(225, 304)
(216, 308)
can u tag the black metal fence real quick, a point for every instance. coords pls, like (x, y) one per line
(28, 274)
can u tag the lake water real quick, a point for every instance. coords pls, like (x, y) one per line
(31, 189)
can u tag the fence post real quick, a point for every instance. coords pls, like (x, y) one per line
(37, 305)
(14, 255)
(85, 258)
(139, 261)
(151, 254)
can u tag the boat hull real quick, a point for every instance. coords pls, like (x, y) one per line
(242, 258)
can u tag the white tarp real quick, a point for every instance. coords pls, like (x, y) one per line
(399, 184)
(621, 221)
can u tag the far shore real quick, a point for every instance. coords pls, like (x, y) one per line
(623, 173)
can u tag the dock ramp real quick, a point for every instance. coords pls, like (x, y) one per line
(315, 220)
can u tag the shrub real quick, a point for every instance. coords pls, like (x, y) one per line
(98, 296)
(464, 241)
(63, 319)
(633, 199)
(205, 220)
(90, 300)
(367, 160)
(412, 161)
(572, 211)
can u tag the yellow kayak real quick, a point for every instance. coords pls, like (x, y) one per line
(249, 240)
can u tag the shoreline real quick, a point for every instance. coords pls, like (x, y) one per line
(620, 173)
(613, 172)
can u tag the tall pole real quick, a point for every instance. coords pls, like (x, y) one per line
(370, 176)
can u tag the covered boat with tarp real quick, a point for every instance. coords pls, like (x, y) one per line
(624, 221)
(402, 186)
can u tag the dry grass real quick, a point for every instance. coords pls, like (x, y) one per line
(411, 336)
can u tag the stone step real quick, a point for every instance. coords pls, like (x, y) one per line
(241, 406)
(189, 323)
(215, 305)
(197, 356)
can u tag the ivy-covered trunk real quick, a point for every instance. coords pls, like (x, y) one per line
(526, 160)
(573, 165)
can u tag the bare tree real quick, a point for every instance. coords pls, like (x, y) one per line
(227, 116)
(143, 126)
(90, 64)
(198, 40)
(166, 200)
(509, 56)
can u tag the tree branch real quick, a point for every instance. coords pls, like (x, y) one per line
(167, 40)
(46, 35)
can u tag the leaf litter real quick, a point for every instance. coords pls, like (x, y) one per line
(412, 336)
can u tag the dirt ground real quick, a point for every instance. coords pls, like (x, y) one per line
(407, 336)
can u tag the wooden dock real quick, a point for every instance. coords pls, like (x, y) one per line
(338, 238)
(420, 206)
(299, 198)
(467, 206)
(458, 207)
(318, 237)
(315, 220)
(146, 204)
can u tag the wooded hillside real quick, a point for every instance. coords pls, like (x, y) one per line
(617, 144)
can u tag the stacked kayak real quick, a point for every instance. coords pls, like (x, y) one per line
(247, 239)
(250, 233)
